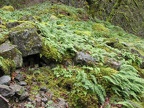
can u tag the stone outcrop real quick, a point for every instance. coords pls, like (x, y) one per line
(26, 38)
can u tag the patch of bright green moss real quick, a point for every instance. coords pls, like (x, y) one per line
(100, 28)
(50, 52)
(2, 26)
(87, 33)
(107, 71)
(8, 8)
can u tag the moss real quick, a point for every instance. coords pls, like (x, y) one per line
(64, 11)
(100, 28)
(53, 17)
(7, 66)
(50, 52)
(107, 71)
(3, 37)
(87, 33)
(79, 98)
(113, 42)
(8, 8)
(119, 46)
(2, 26)
(23, 25)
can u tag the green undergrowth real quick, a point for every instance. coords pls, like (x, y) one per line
(6, 66)
(64, 32)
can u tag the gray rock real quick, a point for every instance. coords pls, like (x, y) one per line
(45, 100)
(20, 92)
(5, 80)
(7, 50)
(84, 58)
(6, 91)
(17, 88)
(19, 77)
(43, 105)
(25, 36)
(3, 102)
(24, 96)
(113, 64)
(12, 24)
(22, 83)
(38, 101)
(61, 103)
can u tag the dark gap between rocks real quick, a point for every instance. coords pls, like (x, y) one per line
(1, 72)
(33, 61)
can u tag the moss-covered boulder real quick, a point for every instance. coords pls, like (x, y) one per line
(26, 38)
(9, 51)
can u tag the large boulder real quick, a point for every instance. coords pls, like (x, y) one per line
(9, 51)
(26, 38)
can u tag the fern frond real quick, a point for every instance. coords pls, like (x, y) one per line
(126, 104)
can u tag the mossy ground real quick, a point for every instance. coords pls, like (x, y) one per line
(65, 31)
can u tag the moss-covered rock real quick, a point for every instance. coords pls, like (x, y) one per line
(9, 51)
(25, 36)
(7, 66)
(8, 8)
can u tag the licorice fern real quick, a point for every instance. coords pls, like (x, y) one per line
(90, 85)
(126, 83)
